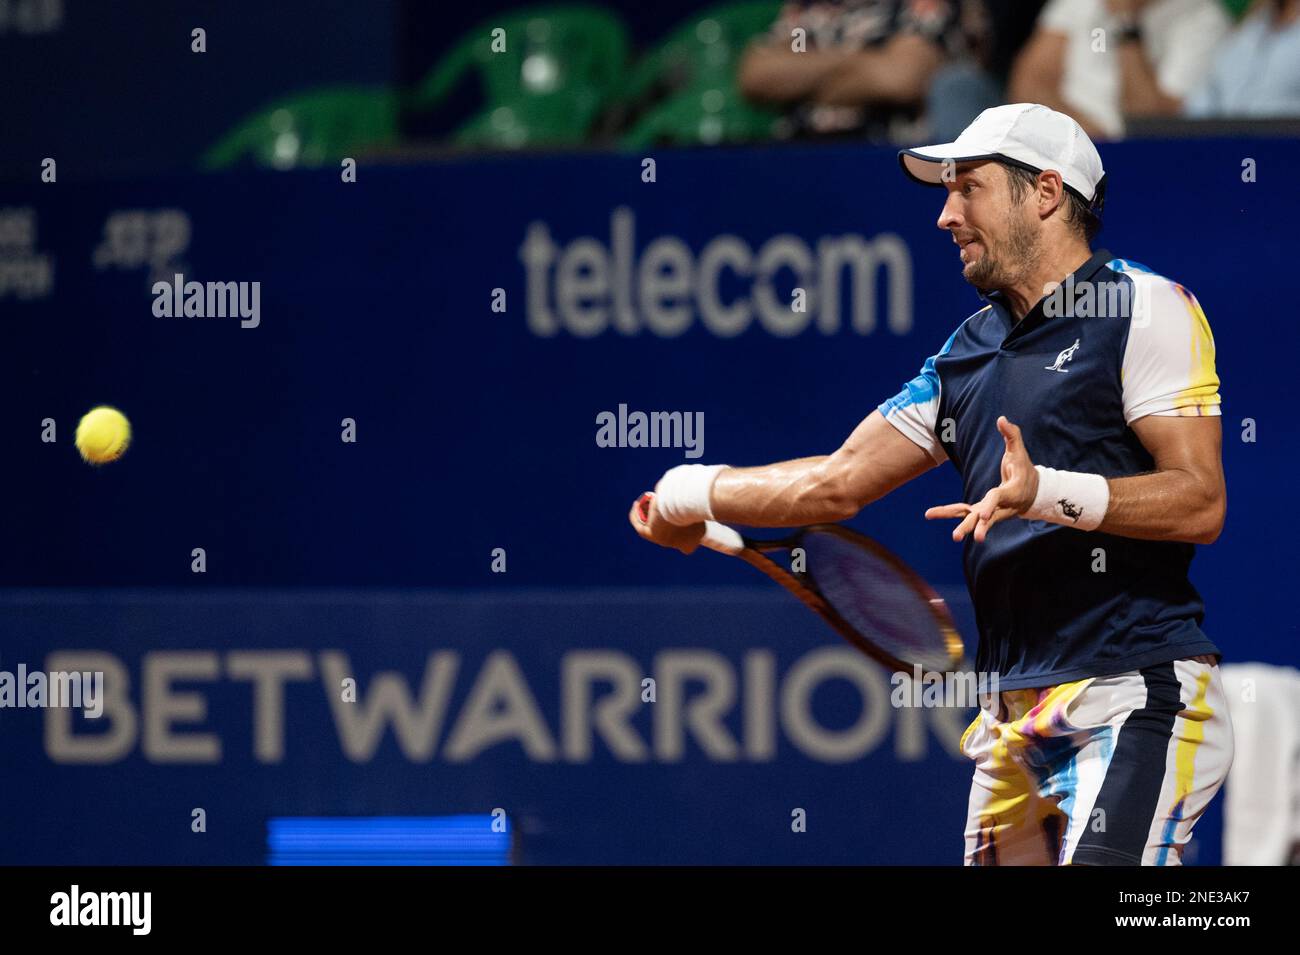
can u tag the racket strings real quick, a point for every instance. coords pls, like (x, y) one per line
(878, 601)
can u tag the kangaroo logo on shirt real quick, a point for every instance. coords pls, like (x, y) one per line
(1062, 358)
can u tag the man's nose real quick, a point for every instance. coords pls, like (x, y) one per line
(949, 215)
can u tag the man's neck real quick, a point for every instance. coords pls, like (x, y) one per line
(1050, 270)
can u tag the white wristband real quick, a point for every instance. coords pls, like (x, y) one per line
(1071, 498)
(682, 494)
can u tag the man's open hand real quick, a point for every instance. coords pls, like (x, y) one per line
(1011, 498)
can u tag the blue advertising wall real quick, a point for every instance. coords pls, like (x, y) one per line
(476, 430)
(469, 703)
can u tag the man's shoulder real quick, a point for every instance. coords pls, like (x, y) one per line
(1154, 295)
(1141, 275)
(975, 320)
(970, 331)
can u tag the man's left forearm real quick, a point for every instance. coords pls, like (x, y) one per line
(1173, 505)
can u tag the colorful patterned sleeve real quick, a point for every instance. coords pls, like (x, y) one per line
(1168, 366)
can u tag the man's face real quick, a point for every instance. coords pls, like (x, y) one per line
(997, 235)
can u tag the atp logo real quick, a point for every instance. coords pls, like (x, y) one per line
(1062, 358)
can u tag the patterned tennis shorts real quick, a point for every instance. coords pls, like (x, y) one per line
(1111, 770)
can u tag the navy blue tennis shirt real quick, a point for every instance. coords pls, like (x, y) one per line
(1114, 343)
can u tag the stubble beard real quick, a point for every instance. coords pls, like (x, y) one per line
(1014, 259)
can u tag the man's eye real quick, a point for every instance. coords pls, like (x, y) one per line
(966, 189)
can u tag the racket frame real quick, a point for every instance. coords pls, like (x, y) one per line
(804, 587)
(728, 540)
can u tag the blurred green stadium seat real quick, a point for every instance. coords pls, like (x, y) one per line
(558, 70)
(310, 129)
(698, 62)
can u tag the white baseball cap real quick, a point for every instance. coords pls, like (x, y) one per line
(1024, 134)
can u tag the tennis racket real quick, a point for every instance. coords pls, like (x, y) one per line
(866, 593)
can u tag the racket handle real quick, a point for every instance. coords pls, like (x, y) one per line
(723, 539)
(719, 537)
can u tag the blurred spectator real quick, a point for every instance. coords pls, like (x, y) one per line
(1261, 812)
(863, 68)
(995, 31)
(1098, 59)
(1257, 70)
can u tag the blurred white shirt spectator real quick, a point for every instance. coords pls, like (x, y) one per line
(1261, 816)
(1257, 71)
(1079, 49)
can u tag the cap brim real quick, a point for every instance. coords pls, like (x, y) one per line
(925, 164)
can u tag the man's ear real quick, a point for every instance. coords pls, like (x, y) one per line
(1051, 192)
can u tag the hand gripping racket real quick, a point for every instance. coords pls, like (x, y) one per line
(866, 593)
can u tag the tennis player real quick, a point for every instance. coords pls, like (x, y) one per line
(1080, 406)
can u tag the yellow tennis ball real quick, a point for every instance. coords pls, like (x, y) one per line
(103, 435)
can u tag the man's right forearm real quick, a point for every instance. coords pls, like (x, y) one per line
(874, 460)
(786, 494)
